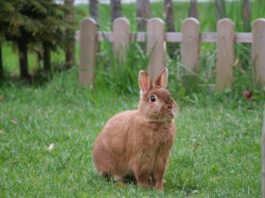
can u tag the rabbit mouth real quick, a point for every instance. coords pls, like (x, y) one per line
(162, 117)
(171, 114)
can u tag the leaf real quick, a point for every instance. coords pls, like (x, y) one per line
(195, 147)
(14, 121)
(51, 147)
(247, 94)
(2, 132)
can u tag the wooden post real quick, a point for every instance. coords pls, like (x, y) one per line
(263, 156)
(258, 51)
(121, 38)
(88, 45)
(190, 51)
(155, 47)
(225, 54)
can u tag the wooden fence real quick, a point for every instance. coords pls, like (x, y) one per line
(190, 39)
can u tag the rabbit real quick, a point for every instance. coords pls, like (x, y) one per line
(138, 143)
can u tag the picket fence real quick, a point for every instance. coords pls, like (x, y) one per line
(190, 39)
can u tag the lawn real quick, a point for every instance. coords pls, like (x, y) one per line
(217, 149)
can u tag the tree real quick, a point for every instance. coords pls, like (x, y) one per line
(170, 27)
(1, 55)
(93, 9)
(31, 23)
(70, 34)
(246, 15)
(169, 16)
(1, 63)
(51, 38)
(193, 11)
(115, 9)
(220, 11)
(143, 13)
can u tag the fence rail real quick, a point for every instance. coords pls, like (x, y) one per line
(190, 38)
(172, 37)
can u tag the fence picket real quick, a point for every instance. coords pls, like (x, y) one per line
(155, 46)
(88, 45)
(190, 50)
(121, 37)
(190, 37)
(225, 54)
(258, 51)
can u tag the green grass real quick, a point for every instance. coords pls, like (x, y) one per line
(217, 150)
(206, 14)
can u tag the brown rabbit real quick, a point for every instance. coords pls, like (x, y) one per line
(138, 143)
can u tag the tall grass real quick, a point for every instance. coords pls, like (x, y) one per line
(206, 14)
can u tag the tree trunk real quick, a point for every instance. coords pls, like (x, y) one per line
(23, 60)
(70, 35)
(46, 58)
(115, 9)
(169, 16)
(220, 9)
(172, 48)
(143, 13)
(193, 12)
(1, 63)
(246, 15)
(93, 9)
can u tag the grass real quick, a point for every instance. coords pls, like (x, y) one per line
(206, 14)
(217, 150)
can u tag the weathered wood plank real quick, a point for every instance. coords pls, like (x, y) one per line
(190, 52)
(155, 47)
(88, 45)
(121, 37)
(258, 51)
(176, 37)
(225, 54)
(263, 156)
(190, 44)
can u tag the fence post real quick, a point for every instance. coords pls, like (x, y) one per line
(258, 51)
(88, 45)
(121, 38)
(155, 47)
(263, 156)
(190, 51)
(225, 54)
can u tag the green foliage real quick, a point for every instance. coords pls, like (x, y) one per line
(121, 76)
(206, 14)
(32, 21)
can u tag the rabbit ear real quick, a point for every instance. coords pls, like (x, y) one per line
(145, 82)
(162, 78)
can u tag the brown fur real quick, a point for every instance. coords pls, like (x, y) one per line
(138, 143)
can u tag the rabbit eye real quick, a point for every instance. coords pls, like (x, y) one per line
(152, 98)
